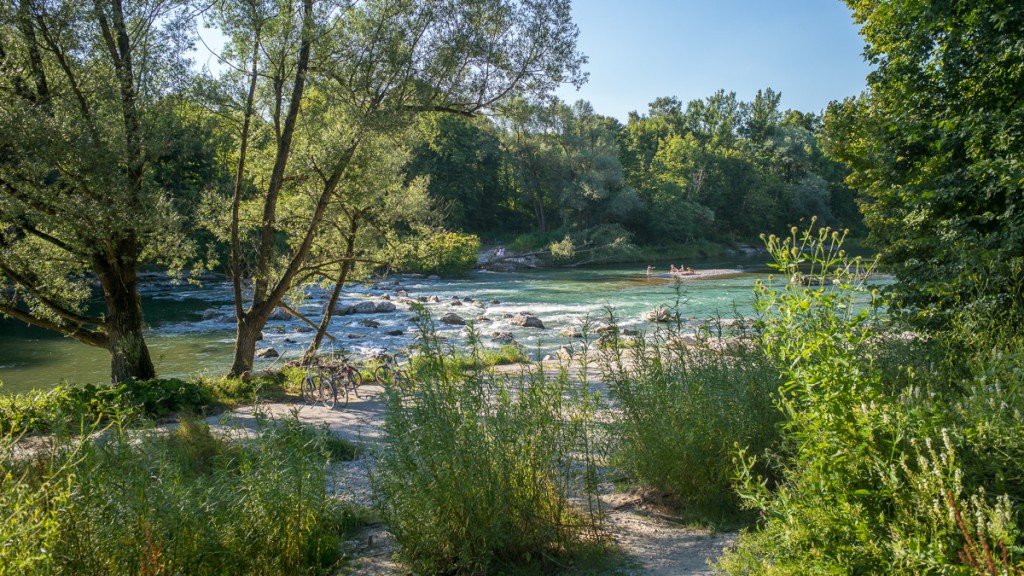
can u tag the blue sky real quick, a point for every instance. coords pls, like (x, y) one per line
(639, 50)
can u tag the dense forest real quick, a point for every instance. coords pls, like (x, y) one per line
(712, 170)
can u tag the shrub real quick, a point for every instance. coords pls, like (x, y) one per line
(444, 253)
(879, 471)
(476, 472)
(69, 405)
(185, 502)
(685, 407)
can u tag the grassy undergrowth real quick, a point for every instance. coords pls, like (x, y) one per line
(484, 474)
(72, 406)
(184, 502)
(686, 407)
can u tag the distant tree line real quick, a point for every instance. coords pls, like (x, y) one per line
(717, 169)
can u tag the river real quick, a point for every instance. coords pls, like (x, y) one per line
(191, 329)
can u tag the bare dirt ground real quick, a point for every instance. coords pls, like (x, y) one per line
(654, 545)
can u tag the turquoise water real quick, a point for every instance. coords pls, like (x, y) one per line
(191, 328)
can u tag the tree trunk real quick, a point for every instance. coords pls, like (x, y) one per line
(129, 356)
(250, 325)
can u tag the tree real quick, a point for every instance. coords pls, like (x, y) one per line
(935, 145)
(316, 77)
(82, 94)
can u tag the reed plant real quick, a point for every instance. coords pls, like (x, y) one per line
(482, 473)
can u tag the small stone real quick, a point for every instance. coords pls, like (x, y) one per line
(385, 297)
(395, 332)
(433, 277)
(370, 323)
(479, 304)
(455, 303)
(467, 299)
(434, 299)
(355, 336)
(304, 329)
(421, 298)
(267, 353)
(494, 301)
(630, 332)
(289, 341)
(402, 294)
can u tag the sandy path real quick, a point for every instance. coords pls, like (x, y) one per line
(655, 545)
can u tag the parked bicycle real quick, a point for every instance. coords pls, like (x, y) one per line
(330, 381)
(389, 373)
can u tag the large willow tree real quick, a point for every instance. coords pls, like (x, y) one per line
(936, 145)
(314, 80)
(82, 85)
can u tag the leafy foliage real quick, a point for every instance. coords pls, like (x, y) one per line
(441, 252)
(936, 145)
(878, 467)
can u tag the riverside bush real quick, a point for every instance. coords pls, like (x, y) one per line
(187, 502)
(908, 470)
(69, 405)
(72, 406)
(480, 473)
(684, 410)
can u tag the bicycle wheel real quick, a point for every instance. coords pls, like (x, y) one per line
(382, 375)
(353, 381)
(310, 389)
(329, 393)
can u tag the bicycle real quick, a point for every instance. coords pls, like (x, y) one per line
(318, 387)
(345, 377)
(389, 372)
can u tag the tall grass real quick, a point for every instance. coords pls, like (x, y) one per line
(686, 403)
(481, 474)
(184, 502)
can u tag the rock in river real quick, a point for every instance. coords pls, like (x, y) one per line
(527, 321)
(267, 353)
(453, 319)
(503, 337)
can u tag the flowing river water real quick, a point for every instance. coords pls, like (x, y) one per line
(191, 328)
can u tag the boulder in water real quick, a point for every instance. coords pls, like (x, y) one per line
(385, 306)
(503, 337)
(659, 314)
(279, 314)
(370, 323)
(571, 332)
(267, 353)
(366, 307)
(527, 321)
(453, 319)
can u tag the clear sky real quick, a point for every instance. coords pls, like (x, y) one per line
(639, 50)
